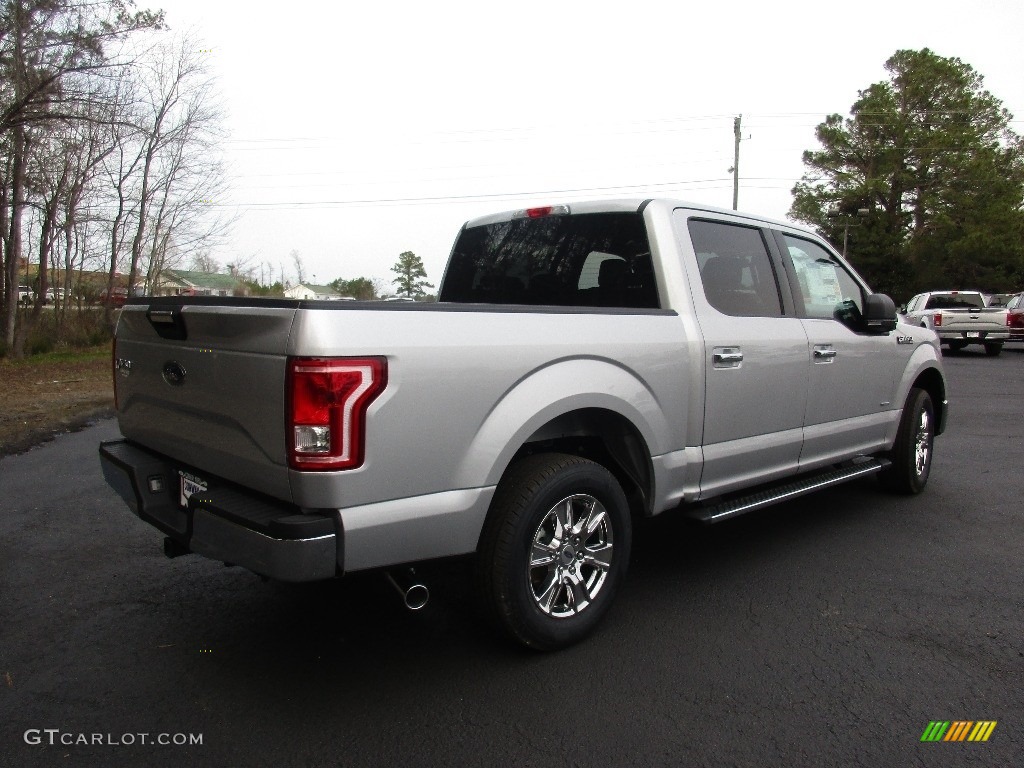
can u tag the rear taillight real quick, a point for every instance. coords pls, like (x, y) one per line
(327, 403)
(937, 319)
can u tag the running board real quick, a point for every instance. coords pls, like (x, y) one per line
(724, 510)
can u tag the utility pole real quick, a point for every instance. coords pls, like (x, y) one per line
(736, 163)
(848, 222)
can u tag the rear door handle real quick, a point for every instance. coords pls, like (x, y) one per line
(726, 357)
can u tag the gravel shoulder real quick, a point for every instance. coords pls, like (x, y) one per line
(45, 397)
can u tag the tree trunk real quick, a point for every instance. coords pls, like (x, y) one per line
(9, 298)
(19, 152)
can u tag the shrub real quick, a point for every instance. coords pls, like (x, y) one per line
(84, 329)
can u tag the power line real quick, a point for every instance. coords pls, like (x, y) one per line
(301, 204)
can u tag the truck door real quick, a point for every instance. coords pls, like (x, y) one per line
(852, 374)
(755, 355)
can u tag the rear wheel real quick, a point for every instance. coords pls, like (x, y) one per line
(911, 455)
(992, 349)
(958, 346)
(553, 550)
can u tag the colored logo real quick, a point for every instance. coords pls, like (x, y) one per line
(958, 730)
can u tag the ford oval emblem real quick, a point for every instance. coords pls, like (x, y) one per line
(174, 374)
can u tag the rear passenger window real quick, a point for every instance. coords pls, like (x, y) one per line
(826, 289)
(735, 269)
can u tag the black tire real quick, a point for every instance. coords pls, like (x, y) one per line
(911, 454)
(550, 604)
(992, 349)
(958, 346)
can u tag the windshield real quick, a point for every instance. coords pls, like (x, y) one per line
(590, 260)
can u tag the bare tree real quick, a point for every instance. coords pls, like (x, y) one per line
(297, 261)
(203, 261)
(92, 144)
(180, 124)
(120, 169)
(47, 47)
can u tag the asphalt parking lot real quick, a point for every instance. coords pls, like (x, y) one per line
(827, 631)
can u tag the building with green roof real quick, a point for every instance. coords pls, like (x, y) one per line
(180, 282)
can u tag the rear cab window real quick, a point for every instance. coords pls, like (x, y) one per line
(955, 301)
(573, 260)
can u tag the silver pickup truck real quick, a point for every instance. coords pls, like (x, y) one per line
(961, 318)
(585, 365)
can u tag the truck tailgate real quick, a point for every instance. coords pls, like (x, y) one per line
(987, 319)
(205, 385)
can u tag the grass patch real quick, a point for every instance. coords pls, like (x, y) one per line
(48, 394)
(63, 356)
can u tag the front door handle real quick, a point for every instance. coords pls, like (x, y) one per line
(824, 354)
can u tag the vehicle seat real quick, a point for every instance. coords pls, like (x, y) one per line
(723, 286)
(545, 289)
(611, 280)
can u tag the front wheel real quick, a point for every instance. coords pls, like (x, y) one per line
(911, 454)
(553, 550)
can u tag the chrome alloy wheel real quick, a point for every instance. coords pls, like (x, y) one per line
(923, 443)
(570, 556)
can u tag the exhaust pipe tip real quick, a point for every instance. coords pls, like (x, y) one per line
(414, 594)
(417, 597)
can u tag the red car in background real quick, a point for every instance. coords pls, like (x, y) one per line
(1015, 317)
(117, 297)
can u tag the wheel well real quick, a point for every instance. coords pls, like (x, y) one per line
(931, 382)
(606, 438)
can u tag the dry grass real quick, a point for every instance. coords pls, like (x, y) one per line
(49, 394)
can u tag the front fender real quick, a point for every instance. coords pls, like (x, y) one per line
(556, 389)
(924, 364)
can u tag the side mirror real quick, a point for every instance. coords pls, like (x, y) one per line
(879, 314)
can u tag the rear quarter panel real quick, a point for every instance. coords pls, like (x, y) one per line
(466, 386)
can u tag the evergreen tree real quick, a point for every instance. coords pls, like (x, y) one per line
(362, 288)
(410, 271)
(925, 180)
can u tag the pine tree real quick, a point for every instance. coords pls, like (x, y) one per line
(410, 271)
(925, 180)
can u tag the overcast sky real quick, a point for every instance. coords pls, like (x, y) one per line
(361, 130)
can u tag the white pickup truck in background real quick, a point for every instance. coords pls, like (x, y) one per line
(960, 318)
(585, 365)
